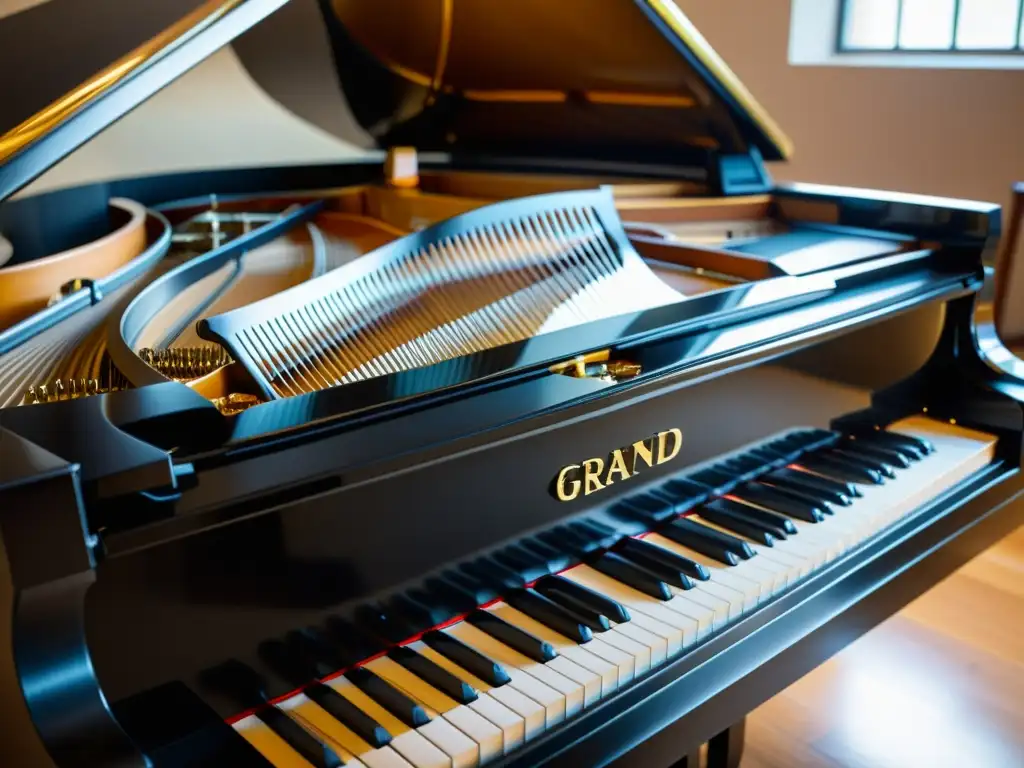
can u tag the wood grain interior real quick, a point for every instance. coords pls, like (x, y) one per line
(26, 288)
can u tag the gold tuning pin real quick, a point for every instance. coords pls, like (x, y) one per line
(186, 363)
(69, 389)
(401, 168)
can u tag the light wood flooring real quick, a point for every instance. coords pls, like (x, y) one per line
(939, 684)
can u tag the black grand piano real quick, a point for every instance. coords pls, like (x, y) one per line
(553, 432)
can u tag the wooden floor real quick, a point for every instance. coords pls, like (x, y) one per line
(939, 684)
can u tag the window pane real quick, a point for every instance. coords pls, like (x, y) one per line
(987, 24)
(870, 24)
(927, 24)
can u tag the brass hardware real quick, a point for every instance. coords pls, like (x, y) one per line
(70, 287)
(184, 363)
(596, 474)
(401, 168)
(235, 403)
(599, 365)
(68, 389)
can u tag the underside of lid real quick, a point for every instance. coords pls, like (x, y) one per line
(602, 79)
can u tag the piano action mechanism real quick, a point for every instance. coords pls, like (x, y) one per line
(554, 433)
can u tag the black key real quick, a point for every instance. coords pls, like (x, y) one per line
(560, 589)
(515, 638)
(784, 449)
(552, 615)
(743, 466)
(597, 533)
(556, 559)
(581, 612)
(248, 689)
(841, 470)
(812, 439)
(377, 622)
(312, 749)
(855, 457)
(478, 591)
(493, 574)
(616, 568)
(419, 614)
(887, 455)
(715, 479)
(714, 544)
(805, 495)
(451, 594)
(389, 697)
(671, 559)
(527, 566)
(780, 501)
(649, 507)
(771, 458)
(904, 441)
(777, 525)
(824, 488)
(684, 494)
(565, 538)
(349, 715)
(431, 673)
(739, 525)
(640, 554)
(875, 440)
(468, 658)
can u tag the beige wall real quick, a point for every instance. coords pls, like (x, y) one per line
(958, 133)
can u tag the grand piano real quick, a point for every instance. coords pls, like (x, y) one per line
(555, 433)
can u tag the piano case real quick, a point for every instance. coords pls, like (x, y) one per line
(194, 563)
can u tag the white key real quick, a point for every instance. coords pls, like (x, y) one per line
(520, 718)
(614, 667)
(413, 746)
(552, 674)
(655, 644)
(638, 603)
(485, 737)
(346, 743)
(742, 583)
(275, 749)
(550, 698)
(463, 751)
(601, 677)
(787, 565)
(640, 653)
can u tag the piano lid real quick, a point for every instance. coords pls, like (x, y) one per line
(597, 80)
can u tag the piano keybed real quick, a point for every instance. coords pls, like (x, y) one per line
(584, 611)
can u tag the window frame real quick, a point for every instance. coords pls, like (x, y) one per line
(843, 48)
(814, 29)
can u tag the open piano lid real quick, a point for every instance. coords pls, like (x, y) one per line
(572, 81)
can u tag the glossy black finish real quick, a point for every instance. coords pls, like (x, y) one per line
(564, 620)
(468, 658)
(640, 579)
(289, 519)
(568, 592)
(512, 636)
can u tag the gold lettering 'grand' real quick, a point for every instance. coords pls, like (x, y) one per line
(592, 475)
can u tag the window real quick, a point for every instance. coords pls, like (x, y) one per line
(943, 34)
(932, 26)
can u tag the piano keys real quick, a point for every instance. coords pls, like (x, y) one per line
(569, 670)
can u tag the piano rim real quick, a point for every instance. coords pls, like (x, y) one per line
(716, 684)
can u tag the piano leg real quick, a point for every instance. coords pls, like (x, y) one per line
(726, 749)
(691, 760)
